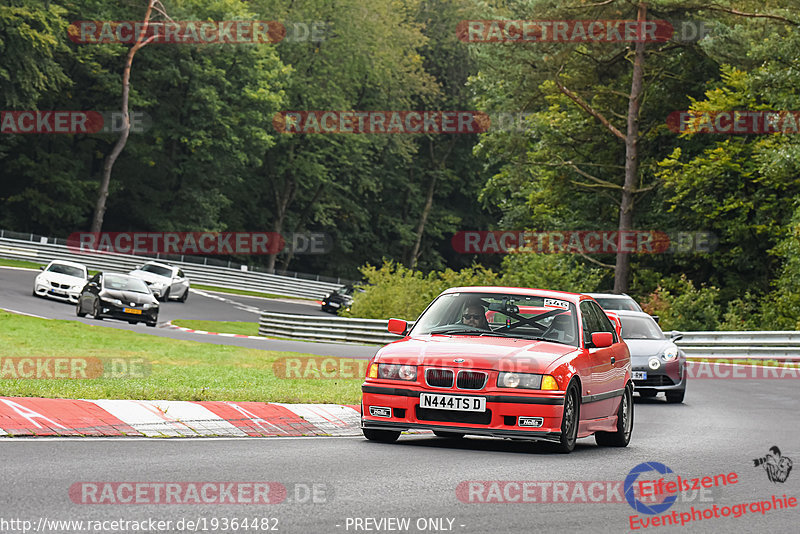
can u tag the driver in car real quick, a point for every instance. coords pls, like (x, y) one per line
(475, 316)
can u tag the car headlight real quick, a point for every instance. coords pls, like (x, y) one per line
(525, 381)
(670, 353)
(392, 371)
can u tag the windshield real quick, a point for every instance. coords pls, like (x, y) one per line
(119, 282)
(498, 314)
(640, 328)
(155, 269)
(612, 303)
(69, 270)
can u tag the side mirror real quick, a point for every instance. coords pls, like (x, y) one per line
(675, 335)
(602, 339)
(397, 326)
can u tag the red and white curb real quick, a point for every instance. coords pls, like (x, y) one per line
(28, 416)
(204, 332)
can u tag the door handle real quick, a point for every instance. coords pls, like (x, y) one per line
(613, 360)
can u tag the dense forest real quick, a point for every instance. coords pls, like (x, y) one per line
(581, 138)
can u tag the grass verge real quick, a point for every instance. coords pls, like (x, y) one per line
(20, 263)
(174, 369)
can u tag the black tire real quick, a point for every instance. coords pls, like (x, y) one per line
(675, 397)
(448, 435)
(647, 393)
(165, 297)
(184, 296)
(133, 322)
(384, 436)
(78, 310)
(152, 325)
(96, 311)
(622, 436)
(570, 420)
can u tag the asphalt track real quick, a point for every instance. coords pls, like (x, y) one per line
(16, 286)
(721, 428)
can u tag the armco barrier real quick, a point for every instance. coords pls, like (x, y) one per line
(315, 328)
(745, 344)
(44, 251)
(754, 345)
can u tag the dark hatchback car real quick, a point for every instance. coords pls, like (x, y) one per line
(658, 364)
(118, 296)
(339, 298)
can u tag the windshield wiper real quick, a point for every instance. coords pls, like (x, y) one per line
(449, 331)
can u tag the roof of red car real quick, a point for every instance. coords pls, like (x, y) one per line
(572, 297)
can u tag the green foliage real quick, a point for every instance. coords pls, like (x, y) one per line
(394, 290)
(681, 306)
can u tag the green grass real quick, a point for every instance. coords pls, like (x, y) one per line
(20, 263)
(244, 292)
(178, 370)
(224, 327)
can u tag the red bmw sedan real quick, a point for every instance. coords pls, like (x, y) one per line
(504, 362)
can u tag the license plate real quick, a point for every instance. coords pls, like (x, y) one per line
(639, 375)
(59, 293)
(452, 402)
(133, 311)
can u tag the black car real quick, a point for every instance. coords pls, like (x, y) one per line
(118, 296)
(339, 298)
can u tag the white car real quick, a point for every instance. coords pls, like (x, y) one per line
(62, 280)
(165, 281)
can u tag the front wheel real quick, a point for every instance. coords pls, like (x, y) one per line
(151, 325)
(384, 436)
(622, 436)
(165, 296)
(96, 311)
(79, 311)
(184, 296)
(570, 419)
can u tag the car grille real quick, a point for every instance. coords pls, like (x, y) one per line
(471, 380)
(439, 378)
(62, 286)
(452, 416)
(655, 380)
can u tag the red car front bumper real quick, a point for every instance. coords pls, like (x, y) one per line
(510, 414)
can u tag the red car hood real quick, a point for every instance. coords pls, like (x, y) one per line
(477, 352)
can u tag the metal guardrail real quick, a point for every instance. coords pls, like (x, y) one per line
(742, 344)
(712, 345)
(44, 252)
(315, 328)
